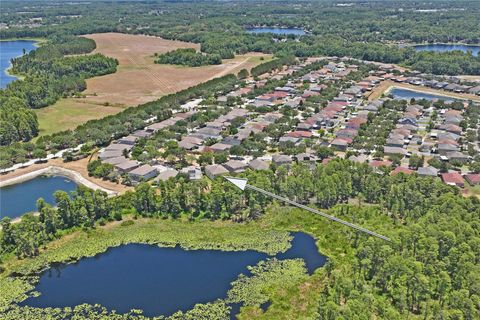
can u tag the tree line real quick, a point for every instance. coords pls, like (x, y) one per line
(188, 57)
(50, 73)
(371, 31)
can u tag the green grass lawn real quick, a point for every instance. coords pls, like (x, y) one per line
(69, 113)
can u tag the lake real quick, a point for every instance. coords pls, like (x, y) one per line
(158, 280)
(443, 47)
(405, 94)
(21, 198)
(9, 50)
(279, 31)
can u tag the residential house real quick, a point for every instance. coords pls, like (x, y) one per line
(215, 170)
(235, 166)
(127, 165)
(192, 172)
(453, 178)
(340, 144)
(401, 169)
(427, 171)
(257, 164)
(143, 173)
(394, 151)
(473, 178)
(281, 159)
(167, 174)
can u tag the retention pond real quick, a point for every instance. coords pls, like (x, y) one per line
(158, 280)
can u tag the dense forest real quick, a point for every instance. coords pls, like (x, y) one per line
(430, 269)
(50, 72)
(188, 57)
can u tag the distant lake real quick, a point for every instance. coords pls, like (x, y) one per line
(21, 198)
(9, 50)
(405, 94)
(158, 280)
(448, 47)
(279, 31)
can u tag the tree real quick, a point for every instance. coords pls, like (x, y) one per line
(415, 161)
(242, 74)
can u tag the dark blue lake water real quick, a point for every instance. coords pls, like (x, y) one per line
(405, 94)
(280, 31)
(21, 198)
(158, 280)
(448, 47)
(9, 50)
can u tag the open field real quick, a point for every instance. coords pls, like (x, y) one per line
(385, 85)
(69, 113)
(137, 80)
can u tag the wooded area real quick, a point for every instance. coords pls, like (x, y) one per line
(188, 57)
(430, 268)
(49, 73)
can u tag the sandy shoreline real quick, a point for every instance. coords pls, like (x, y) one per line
(56, 171)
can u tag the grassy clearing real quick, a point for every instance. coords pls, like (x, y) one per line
(69, 113)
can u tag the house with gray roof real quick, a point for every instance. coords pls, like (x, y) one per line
(214, 170)
(192, 172)
(110, 154)
(143, 173)
(127, 165)
(235, 166)
(167, 174)
(115, 160)
(258, 164)
(427, 171)
(280, 159)
(394, 151)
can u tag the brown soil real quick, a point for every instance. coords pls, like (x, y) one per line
(139, 80)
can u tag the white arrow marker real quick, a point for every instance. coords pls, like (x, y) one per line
(241, 183)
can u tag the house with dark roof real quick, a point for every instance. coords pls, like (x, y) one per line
(473, 178)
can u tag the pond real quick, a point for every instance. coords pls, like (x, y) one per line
(21, 198)
(9, 50)
(158, 280)
(279, 31)
(406, 94)
(443, 47)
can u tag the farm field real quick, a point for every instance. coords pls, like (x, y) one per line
(137, 80)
